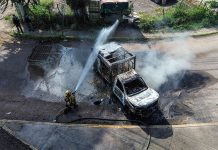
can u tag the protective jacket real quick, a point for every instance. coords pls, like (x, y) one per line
(70, 99)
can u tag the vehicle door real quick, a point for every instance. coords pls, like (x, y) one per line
(119, 91)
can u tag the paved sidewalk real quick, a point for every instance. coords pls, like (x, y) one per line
(123, 34)
(90, 136)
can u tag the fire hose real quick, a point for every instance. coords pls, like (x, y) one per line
(111, 120)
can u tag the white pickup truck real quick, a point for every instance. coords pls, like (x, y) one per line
(117, 68)
(132, 91)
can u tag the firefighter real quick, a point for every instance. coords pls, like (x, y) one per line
(70, 99)
(16, 22)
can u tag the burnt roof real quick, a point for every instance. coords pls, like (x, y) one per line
(116, 56)
(127, 75)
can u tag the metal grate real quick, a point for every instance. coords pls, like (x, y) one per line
(40, 53)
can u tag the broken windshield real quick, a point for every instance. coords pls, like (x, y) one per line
(135, 86)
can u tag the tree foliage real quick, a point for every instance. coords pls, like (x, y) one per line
(77, 4)
(180, 17)
(4, 3)
(79, 8)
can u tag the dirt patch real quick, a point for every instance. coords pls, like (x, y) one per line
(147, 6)
(188, 81)
(176, 98)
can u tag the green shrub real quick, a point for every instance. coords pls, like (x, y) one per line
(7, 18)
(181, 17)
(44, 18)
(213, 4)
(41, 16)
(147, 22)
(47, 3)
(197, 13)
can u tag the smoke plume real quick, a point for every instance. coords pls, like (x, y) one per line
(158, 66)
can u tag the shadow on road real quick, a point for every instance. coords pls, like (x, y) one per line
(162, 130)
(13, 60)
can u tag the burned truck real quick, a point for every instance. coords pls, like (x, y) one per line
(116, 67)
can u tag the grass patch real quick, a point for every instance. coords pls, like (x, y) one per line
(46, 3)
(7, 18)
(41, 16)
(213, 4)
(180, 17)
(44, 17)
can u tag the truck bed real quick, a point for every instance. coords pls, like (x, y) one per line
(110, 64)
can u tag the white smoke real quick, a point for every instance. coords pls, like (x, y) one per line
(61, 78)
(159, 66)
(57, 80)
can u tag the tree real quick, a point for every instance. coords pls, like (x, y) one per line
(79, 8)
(4, 3)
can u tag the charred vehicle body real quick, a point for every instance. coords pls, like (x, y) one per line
(132, 91)
(116, 67)
(109, 64)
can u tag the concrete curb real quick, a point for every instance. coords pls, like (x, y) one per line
(2, 123)
(74, 38)
(60, 36)
(109, 126)
(174, 35)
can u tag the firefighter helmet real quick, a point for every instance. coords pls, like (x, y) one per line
(68, 93)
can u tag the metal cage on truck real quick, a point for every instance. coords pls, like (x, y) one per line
(110, 64)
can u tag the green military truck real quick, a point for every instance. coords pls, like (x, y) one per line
(110, 10)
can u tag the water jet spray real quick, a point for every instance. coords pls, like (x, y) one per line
(103, 36)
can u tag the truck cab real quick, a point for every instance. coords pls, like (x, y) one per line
(131, 90)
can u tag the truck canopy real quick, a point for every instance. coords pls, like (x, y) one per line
(114, 62)
(115, 56)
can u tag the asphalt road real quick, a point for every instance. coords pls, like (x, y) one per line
(193, 101)
(95, 136)
(196, 102)
(196, 99)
